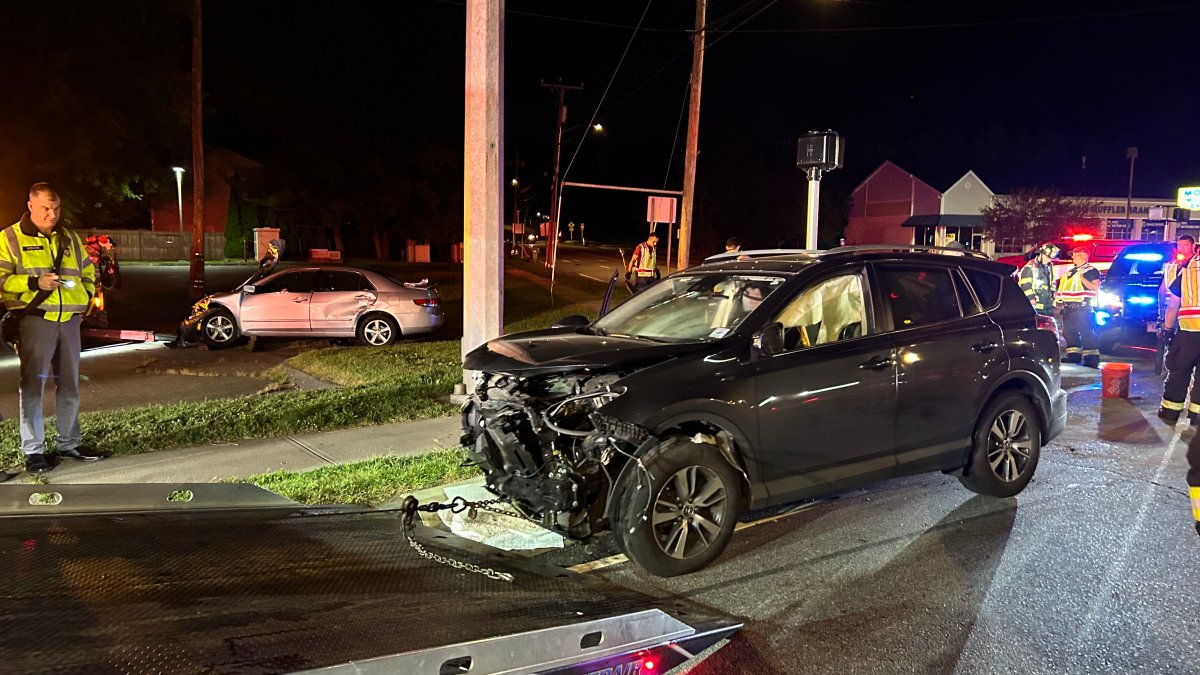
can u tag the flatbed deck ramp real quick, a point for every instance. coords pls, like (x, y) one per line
(211, 578)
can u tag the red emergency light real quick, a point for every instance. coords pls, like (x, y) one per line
(1081, 237)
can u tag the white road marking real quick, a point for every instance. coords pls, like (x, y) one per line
(585, 276)
(1098, 602)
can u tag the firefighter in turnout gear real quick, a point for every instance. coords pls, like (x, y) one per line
(643, 264)
(1183, 354)
(1037, 279)
(1185, 248)
(1077, 296)
(1182, 357)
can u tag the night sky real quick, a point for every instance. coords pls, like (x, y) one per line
(354, 100)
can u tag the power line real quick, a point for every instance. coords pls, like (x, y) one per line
(675, 138)
(607, 87)
(570, 19)
(726, 34)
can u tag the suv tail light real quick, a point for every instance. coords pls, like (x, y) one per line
(428, 302)
(1047, 323)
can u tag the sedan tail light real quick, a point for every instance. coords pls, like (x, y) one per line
(428, 302)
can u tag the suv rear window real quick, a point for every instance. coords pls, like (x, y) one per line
(919, 296)
(986, 285)
(1107, 251)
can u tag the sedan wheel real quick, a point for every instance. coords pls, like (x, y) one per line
(688, 512)
(378, 330)
(220, 330)
(1005, 448)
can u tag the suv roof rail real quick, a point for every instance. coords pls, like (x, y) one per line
(758, 253)
(907, 248)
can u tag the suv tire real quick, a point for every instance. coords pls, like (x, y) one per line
(696, 496)
(1005, 447)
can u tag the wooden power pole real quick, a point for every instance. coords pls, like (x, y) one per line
(693, 135)
(561, 117)
(196, 268)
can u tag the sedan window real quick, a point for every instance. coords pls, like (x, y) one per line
(828, 311)
(687, 308)
(292, 282)
(918, 296)
(338, 280)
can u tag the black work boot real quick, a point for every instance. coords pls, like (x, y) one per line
(1168, 415)
(37, 463)
(1091, 361)
(1071, 358)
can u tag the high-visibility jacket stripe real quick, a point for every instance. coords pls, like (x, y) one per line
(1194, 494)
(1171, 405)
(1189, 297)
(1072, 290)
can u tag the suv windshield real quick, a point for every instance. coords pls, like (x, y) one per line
(1138, 262)
(689, 308)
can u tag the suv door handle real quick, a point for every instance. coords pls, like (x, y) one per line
(985, 347)
(364, 296)
(877, 363)
(300, 299)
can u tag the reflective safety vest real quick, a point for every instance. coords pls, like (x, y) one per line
(1189, 297)
(645, 260)
(1071, 289)
(1035, 280)
(26, 254)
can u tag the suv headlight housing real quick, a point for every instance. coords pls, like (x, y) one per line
(1109, 299)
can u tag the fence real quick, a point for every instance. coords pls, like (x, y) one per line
(147, 245)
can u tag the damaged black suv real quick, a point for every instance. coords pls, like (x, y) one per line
(740, 384)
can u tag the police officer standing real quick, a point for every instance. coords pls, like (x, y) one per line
(1077, 297)
(643, 264)
(1036, 279)
(48, 281)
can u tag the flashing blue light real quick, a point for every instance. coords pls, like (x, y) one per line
(1146, 257)
(1102, 318)
(1141, 300)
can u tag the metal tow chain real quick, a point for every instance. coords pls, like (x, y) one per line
(458, 505)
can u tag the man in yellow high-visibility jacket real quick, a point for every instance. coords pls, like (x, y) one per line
(643, 264)
(1077, 296)
(39, 258)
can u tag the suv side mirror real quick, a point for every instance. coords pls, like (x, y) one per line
(248, 289)
(769, 340)
(572, 321)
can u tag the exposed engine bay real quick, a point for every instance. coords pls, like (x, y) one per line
(542, 442)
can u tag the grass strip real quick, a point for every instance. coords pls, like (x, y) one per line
(371, 483)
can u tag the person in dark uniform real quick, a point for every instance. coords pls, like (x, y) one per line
(1077, 297)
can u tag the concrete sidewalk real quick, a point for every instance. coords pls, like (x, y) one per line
(302, 452)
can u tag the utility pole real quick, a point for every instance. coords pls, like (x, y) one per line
(552, 240)
(693, 135)
(196, 268)
(1131, 153)
(483, 176)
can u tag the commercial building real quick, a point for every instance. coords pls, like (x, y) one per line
(893, 206)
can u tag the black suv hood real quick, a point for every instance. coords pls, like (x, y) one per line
(559, 350)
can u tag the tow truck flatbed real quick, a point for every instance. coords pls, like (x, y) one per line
(229, 579)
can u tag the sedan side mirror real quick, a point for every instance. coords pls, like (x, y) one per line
(572, 321)
(769, 340)
(248, 289)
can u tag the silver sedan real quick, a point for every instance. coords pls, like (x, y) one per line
(324, 302)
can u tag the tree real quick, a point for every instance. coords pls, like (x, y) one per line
(1031, 215)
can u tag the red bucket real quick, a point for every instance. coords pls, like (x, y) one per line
(1114, 379)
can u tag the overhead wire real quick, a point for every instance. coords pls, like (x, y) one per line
(603, 96)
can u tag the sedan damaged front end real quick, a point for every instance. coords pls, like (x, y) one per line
(545, 443)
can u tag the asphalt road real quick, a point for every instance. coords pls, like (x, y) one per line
(1092, 569)
(155, 297)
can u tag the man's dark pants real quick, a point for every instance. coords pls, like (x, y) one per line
(49, 350)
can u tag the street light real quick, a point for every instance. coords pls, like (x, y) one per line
(598, 128)
(179, 191)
